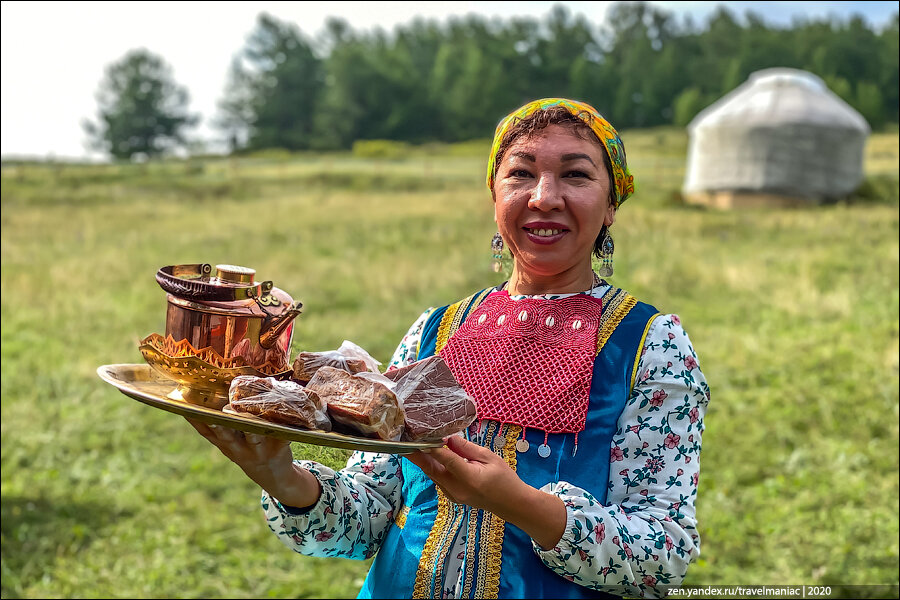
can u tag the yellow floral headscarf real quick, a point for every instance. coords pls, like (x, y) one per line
(587, 113)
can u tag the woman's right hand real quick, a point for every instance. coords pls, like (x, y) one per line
(266, 460)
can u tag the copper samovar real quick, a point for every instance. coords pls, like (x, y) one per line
(219, 326)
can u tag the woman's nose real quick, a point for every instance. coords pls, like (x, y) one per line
(546, 195)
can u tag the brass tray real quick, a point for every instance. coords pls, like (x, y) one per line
(146, 385)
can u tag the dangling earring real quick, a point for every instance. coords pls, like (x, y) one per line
(607, 247)
(497, 249)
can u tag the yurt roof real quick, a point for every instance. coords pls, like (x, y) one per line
(779, 96)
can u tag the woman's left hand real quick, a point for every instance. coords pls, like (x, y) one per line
(473, 475)
(470, 474)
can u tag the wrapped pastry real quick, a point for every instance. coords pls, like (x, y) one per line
(362, 402)
(307, 363)
(282, 402)
(349, 357)
(433, 402)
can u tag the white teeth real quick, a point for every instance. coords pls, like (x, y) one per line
(546, 232)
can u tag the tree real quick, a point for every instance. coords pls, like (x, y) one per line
(273, 90)
(142, 111)
(429, 81)
(687, 105)
(339, 114)
(889, 81)
(870, 104)
(236, 108)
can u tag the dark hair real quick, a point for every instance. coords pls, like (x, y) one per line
(557, 115)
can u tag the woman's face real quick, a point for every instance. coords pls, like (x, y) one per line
(551, 197)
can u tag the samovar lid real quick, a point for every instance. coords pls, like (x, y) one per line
(235, 274)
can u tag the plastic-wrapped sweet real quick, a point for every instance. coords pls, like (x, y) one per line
(284, 402)
(434, 404)
(362, 402)
(349, 357)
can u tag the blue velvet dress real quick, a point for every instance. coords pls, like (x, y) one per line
(497, 558)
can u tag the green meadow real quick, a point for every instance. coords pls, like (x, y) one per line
(794, 315)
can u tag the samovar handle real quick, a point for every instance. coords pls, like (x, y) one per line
(187, 281)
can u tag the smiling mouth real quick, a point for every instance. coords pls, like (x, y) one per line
(544, 232)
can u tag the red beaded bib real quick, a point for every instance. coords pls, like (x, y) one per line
(528, 362)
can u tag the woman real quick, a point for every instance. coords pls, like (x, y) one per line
(579, 477)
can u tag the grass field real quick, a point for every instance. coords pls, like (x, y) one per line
(794, 314)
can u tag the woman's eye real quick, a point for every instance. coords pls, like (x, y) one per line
(519, 173)
(576, 174)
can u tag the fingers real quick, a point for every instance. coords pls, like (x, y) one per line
(450, 496)
(264, 447)
(448, 472)
(434, 470)
(202, 428)
(241, 447)
(254, 439)
(429, 465)
(468, 450)
(461, 457)
(440, 464)
(219, 434)
(237, 445)
(214, 433)
(454, 464)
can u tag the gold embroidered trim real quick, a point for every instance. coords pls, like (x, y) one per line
(612, 291)
(424, 575)
(461, 313)
(471, 534)
(617, 303)
(443, 333)
(497, 526)
(446, 544)
(435, 549)
(470, 564)
(400, 519)
(612, 299)
(619, 306)
(454, 316)
(637, 358)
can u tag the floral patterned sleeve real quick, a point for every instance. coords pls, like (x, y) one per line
(645, 537)
(358, 503)
(408, 349)
(353, 514)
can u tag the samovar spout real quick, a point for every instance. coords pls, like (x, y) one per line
(272, 327)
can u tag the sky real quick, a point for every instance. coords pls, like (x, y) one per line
(54, 54)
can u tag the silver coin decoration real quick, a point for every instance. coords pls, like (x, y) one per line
(522, 445)
(543, 450)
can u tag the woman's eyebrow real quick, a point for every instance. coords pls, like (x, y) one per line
(524, 155)
(576, 156)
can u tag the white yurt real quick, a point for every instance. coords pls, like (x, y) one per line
(780, 139)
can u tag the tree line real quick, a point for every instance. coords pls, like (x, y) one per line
(452, 81)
